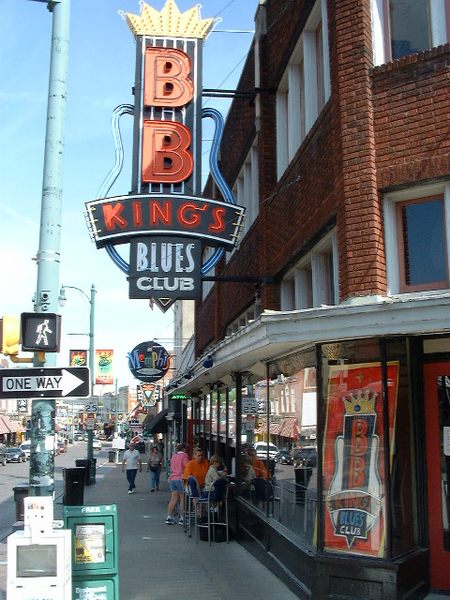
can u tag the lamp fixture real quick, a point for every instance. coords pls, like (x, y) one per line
(208, 362)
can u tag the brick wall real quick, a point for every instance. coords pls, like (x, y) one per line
(382, 127)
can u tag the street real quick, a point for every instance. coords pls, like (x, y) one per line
(17, 474)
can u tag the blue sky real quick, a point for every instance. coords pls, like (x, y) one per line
(101, 75)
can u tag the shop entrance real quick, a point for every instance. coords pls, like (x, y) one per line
(437, 410)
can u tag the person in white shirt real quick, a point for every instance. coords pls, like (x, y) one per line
(132, 460)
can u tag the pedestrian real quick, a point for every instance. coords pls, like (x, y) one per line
(132, 460)
(154, 465)
(178, 463)
(214, 473)
(197, 467)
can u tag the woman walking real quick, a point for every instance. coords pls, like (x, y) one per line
(177, 464)
(154, 465)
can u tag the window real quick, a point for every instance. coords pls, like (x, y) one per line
(284, 487)
(403, 27)
(418, 262)
(246, 189)
(304, 87)
(313, 281)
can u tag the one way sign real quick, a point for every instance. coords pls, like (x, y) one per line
(44, 383)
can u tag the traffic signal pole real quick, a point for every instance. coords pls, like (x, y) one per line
(48, 256)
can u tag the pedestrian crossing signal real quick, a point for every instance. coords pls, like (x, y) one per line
(40, 332)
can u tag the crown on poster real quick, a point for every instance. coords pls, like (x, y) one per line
(363, 403)
(170, 22)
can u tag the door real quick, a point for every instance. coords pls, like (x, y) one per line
(437, 411)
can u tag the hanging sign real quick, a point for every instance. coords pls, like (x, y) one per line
(149, 361)
(167, 158)
(165, 267)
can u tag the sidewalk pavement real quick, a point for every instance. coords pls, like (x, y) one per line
(159, 561)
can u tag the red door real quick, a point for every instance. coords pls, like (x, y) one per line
(437, 411)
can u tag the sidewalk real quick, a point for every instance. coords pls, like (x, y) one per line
(159, 561)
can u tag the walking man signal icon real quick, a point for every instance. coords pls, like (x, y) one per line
(42, 329)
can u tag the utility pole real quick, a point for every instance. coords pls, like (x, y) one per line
(48, 256)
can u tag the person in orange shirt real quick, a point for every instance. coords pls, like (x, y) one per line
(197, 467)
(258, 466)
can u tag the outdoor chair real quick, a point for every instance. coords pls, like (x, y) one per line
(213, 511)
(191, 497)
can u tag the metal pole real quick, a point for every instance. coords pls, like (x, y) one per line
(48, 256)
(90, 441)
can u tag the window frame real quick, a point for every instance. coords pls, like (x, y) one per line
(396, 283)
(304, 88)
(439, 24)
(314, 280)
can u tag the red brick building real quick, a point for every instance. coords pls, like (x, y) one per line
(329, 325)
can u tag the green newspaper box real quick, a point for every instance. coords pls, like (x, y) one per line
(95, 560)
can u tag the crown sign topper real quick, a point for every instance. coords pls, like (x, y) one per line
(170, 22)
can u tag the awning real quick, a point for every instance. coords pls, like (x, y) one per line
(158, 424)
(274, 428)
(289, 427)
(3, 428)
(10, 426)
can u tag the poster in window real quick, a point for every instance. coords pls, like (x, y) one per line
(354, 472)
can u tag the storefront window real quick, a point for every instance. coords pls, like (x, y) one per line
(404, 527)
(203, 401)
(214, 414)
(279, 462)
(222, 413)
(232, 414)
(354, 507)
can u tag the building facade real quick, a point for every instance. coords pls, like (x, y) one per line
(327, 331)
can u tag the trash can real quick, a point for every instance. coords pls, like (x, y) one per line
(74, 479)
(20, 492)
(86, 463)
(302, 477)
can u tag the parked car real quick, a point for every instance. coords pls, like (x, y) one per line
(97, 445)
(261, 450)
(26, 447)
(283, 457)
(15, 455)
(305, 457)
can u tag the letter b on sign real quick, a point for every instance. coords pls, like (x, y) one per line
(167, 80)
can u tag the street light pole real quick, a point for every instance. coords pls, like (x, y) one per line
(42, 465)
(90, 440)
(91, 300)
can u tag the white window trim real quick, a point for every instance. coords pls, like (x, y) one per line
(294, 121)
(438, 21)
(296, 285)
(390, 226)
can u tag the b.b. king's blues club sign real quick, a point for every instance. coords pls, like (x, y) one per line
(164, 219)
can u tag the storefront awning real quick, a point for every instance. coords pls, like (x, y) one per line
(3, 428)
(289, 427)
(158, 424)
(274, 428)
(11, 426)
(278, 333)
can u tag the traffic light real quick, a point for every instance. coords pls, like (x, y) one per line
(41, 332)
(10, 334)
